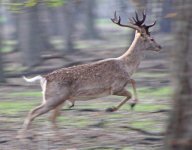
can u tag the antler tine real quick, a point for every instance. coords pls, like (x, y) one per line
(115, 17)
(148, 26)
(119, 20)
(131, 21)
(137, 21)
(137, 18)
(144, 16)
(134, 19)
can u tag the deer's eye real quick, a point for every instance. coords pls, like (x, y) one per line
(152, 40)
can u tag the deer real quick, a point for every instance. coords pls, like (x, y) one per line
(97, 79)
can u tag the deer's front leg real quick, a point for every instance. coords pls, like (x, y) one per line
(123, 92)
(135, 99)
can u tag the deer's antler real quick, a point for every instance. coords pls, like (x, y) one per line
(118, 22)
(149, 26)
(136, 20)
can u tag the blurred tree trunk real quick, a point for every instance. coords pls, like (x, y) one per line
(90, 30)
(29, 40)
(61, 27)
(179, 131)
(2, 76)
(165, 23)
(53, 25)
(43, 23)
(70, 20)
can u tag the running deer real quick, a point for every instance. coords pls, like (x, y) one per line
(98, 79)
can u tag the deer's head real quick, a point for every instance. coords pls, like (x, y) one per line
(141, 29)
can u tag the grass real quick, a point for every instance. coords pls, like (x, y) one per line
(146, 124)
(10, 107)
(150, 75)
(154, 92)
(26, 94)
(146, 107)
(144, 93)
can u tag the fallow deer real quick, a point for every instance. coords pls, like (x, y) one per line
(98, 79)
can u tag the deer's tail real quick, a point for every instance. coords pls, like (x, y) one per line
(33, 79)
(43, 81)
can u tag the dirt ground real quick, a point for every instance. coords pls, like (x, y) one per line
(87, 126)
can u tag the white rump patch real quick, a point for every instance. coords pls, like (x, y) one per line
(43, 83)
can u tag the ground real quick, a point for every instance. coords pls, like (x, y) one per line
(87, 126)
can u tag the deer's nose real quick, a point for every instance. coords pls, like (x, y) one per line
(159, 47)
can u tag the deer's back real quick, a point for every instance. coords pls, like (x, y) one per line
(100, 71)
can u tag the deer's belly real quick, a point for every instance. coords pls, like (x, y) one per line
(91, 93)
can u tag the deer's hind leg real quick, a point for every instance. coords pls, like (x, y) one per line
(123, 92)
(43, 108)
(54, 114)
(51, 101)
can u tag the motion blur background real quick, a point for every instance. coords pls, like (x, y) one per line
(39, 36)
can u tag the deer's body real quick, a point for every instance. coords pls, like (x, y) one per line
(94, 80)
(98, 79)
(89, 81)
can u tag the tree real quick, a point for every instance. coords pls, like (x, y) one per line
(44, 27)
(90, 30)
(179, 131)
(165, 23)
(70, 20)
(2, 76)
(28, 34)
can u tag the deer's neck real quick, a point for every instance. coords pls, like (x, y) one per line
(132, 57)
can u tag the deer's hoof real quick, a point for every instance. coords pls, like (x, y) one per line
(111, 109)
(132, 106)
(71, 106)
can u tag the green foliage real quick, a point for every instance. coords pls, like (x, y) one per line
(18, 6)
(55, 3)
(30, 3)
(7, 45)
(15, 7)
